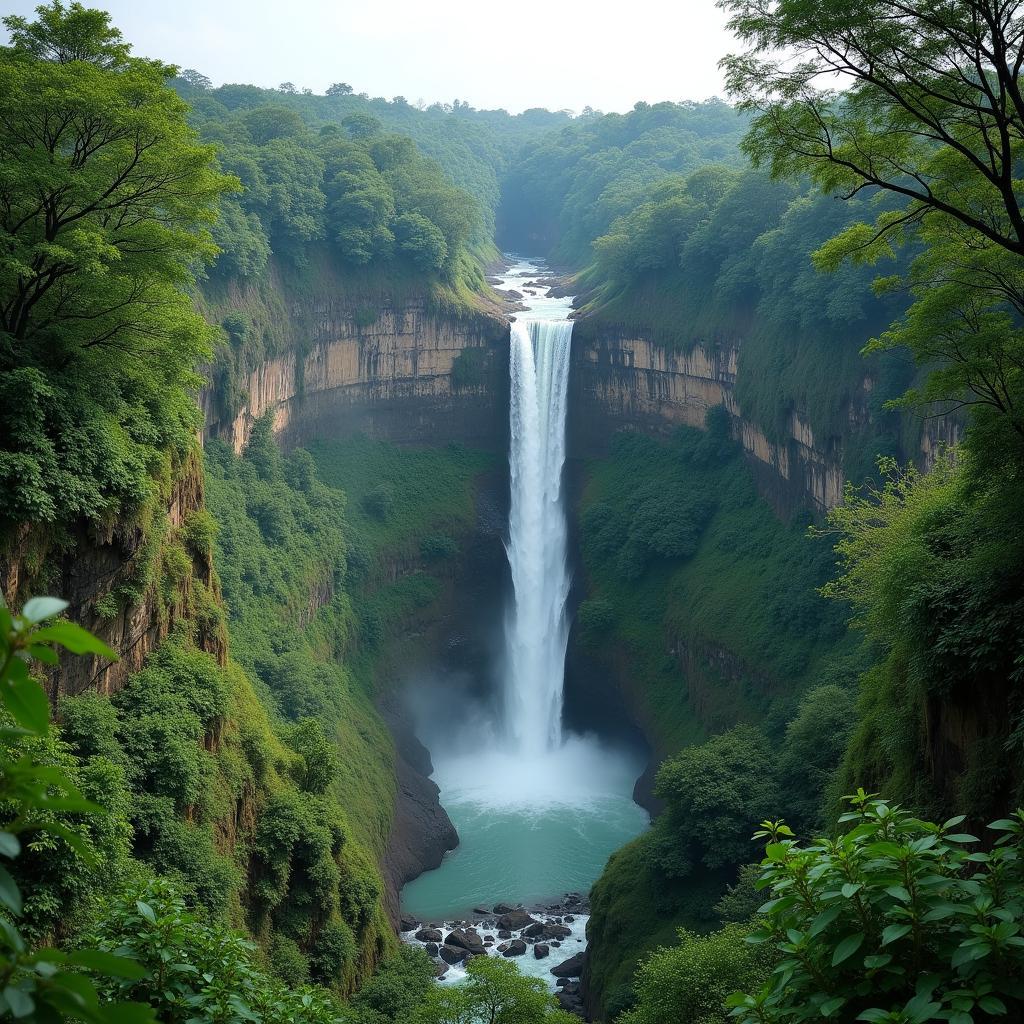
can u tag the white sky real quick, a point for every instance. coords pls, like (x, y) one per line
(518, 54)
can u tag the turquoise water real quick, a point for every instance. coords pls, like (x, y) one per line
(528, 832)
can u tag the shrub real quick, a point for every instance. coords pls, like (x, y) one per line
(380, 502)
(897, 920)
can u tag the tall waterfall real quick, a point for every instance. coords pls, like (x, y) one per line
(537, 629)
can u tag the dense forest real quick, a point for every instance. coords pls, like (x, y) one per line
(198, 779)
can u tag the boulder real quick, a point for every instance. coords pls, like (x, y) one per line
(504, 933)
(540, 950)
(555, 931)
(503, 908)
(454, 954)
(482, 911)
(569, 919)
(440, 971)
(515, 948)
(534, 930)
(515, 920)
(562, 982)
(465, 938)
(571, 968)
(554, 943)
(432, 948)
(407, 924)
(429, 935)
(567, 1001)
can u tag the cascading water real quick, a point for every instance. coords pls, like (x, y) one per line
(537, 812)
(537, 630)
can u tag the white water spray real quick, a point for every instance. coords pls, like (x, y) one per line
(537, 630)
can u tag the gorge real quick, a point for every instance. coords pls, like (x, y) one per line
(434, 540)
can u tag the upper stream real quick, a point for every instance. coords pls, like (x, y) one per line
(538, 809)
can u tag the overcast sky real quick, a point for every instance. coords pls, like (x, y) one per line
(518, 54)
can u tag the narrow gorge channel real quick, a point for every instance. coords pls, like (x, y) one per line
(538, 807)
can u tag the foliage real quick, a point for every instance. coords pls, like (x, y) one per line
(932, 566)
(895, 920)
(690, 981)
(494, 991)
(44, 984)
(197, 971)
(711, 792)
(107, 194)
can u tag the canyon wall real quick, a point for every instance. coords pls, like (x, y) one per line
(410, 374)
(623, 380)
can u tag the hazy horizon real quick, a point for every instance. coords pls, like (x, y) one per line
(569, 57)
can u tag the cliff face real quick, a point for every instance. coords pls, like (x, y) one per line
(129, 583)
(623, 380)
(410, 374)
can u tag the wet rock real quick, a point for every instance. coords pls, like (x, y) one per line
(454, 954)
(440, 971)
(555, 931)
(504, 933)
(540, 950)
(503, 908)
(515, 948)
(482, 911)
(432, 948)
(562, 982)
(429, 935)
(568, 1002)
(515, 920)
(536, 929)
(555, 943)
(569, 919)
(465, 938)
(571, 968)
(407, 924)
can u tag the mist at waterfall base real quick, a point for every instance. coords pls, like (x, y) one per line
(538, 811)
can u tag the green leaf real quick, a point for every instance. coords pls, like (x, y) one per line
(847, 948)
(26, 702)
(146, 911)
(897, 892)
(993, 1005)
(894, 932)
(851, 889)
(962, 837)
(108, 964)
(9, 845)
(127, 1013)
(21, 1003)
(10, 896)
(877, 960)
(39, 608)
(830, 1007)
(76, 639)
(72, 838)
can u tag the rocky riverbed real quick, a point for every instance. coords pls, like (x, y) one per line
(548, 942)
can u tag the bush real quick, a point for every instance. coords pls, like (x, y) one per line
(595, 619)
(438, 546)
(380, 502)
(894, 921)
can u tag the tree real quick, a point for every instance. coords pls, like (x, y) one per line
(712, 792)
(495, 992)
(421, 241)
(106, 195)
(339, 89)
(895, 921)
(933, 116)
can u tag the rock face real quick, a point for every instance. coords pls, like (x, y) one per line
(571, 968)
(421, 831)
(399, 373)
(94, 565)
(623, 379)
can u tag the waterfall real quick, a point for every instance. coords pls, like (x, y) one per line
(537, 629)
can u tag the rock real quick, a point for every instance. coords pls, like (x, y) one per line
(432, 948)
(541, 950)
(571, 968)
(568, 1002)
(555, 943)
(488, 938)
(512, 294)
(465, 938)
(515, 920)
(454, 954)
(515, 948)
(562, 982)
(503, 908)
(407, 924)
(573, 988)
(482, 911)
(534, 930)
(429, 935)
(502, 947)
(504, 933)
(555, 931)
(569, 919)
(440, 970)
